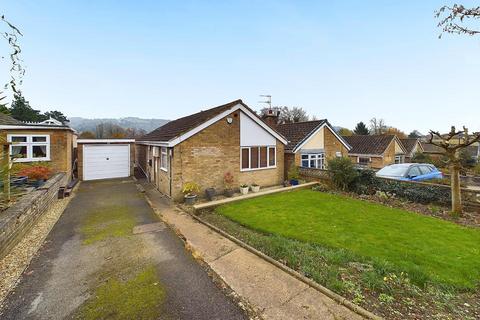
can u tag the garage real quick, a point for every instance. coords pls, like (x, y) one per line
(105, 158)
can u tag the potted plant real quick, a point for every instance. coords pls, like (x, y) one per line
(37, 174)
(293, 175)
(190, 190)
(243, 189)
(255, 187)
(210, 192)
(228, 181)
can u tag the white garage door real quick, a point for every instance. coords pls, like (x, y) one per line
(106, 161)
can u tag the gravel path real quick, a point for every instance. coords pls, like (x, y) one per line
(13, 264)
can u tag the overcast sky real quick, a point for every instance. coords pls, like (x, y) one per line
(343, 60)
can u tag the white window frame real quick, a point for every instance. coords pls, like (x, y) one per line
(400, 159)
(29, 144)
(317, 157)
(250, 158)
(164, 152)
(368, 162)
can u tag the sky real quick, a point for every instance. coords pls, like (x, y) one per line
(347, 61)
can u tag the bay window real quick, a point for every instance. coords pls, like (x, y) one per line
(313, 160)
(258, 157)
(29, 147)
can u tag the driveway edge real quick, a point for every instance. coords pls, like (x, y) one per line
(334, 296)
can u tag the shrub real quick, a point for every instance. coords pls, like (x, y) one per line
(190, 188)
(366, 182)
(420, 193)
(293, 172)
(343, 173)
(228, 180)
(420, 157)
(36, 172)
(476, 170)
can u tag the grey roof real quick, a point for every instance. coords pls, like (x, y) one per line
(5, 119)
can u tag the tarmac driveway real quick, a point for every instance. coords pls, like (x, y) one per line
(110, 257)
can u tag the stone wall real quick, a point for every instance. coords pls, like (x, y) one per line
(17, 220)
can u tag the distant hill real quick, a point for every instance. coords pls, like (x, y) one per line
(84, 124)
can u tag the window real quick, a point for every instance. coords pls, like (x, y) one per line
(414, 172)
(425, 169)
(253, 158)
(363, 161)
(399, 159)
(314, 160)
(27, 148)
(164, 159)
(338, 154)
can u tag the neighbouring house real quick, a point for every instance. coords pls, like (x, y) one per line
(50, 142)
(435, 153)
(202, 147)
(376, 151)
(312, 143)
(412, 146)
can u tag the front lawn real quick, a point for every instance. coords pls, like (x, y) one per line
(428, 249)
(398, 264)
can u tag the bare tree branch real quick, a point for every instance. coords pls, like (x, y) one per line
(457, 13)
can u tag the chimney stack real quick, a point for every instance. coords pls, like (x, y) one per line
(271, 118)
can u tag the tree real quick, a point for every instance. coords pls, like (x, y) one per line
(11, 34)
(345, 132)
(452, 152)
(415, 134)
(287, 115)
(57, 115)
(87, 135)
(399, 133)
(377, 126)
(106, 130)
(21, 110)
(420, 157)
(361, 129)
(453, 19)
(3, 105)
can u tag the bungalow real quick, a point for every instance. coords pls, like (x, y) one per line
(312, 143)
(376, 151)
(204, 146)
(49, 142)
(412, 146)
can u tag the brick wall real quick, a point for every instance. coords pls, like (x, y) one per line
(205, 157)
(17, 220)
(333, 145)
(61, 147)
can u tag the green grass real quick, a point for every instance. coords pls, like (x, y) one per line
(107, 222)
(430, 250)
(137, 298)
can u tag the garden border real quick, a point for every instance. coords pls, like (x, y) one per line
(251, 195)
(334, 296)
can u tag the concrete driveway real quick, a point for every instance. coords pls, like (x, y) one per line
(110, 257)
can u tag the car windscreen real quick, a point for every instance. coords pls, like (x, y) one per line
(393, 171)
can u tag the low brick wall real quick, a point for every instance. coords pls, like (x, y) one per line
(17, 220)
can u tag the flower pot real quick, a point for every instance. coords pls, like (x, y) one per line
(210, 193)
(190, 199)
(294, 182)
(243, 190)
(229, 193)
(255, 188)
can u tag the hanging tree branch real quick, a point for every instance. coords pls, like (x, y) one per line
(452, 18)
(17, 71)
